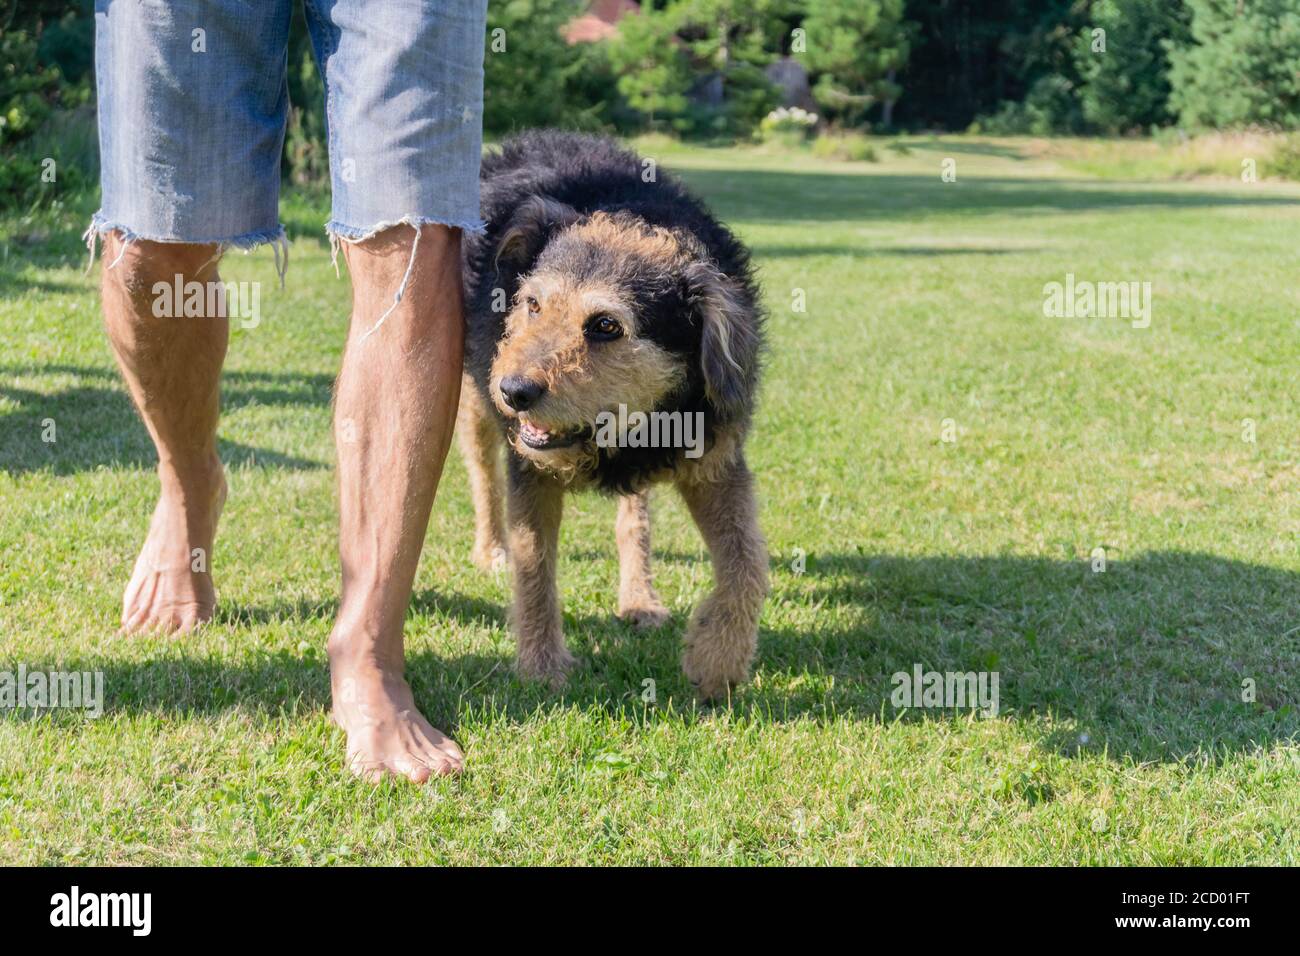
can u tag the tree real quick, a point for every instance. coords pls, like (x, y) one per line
(652, 70)
(731, 42)
(1240, 66)
(857, 47)
(970, 56)
(527, 65)
(1124, 70)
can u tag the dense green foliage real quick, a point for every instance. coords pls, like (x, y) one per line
(42, 71)
(1124, 68)
(857, 49)
(652, 72)
(1242, 66)
(532, 77)
(970, 57)
(703, 69)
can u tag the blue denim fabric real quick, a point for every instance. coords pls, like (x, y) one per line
(191, 123)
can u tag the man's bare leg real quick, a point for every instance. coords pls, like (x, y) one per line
(395, 409)
(172, 367)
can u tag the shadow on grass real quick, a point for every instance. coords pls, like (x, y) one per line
(13, 284)
(55, 239)
(779, 197)
(1148, 659)
(96, 425)
(957, 147)
(882, 252)
(776, 197)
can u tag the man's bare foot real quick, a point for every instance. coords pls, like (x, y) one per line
(386, 733)
(171, 587)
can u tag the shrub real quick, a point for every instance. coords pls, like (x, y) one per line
(850, 147)
(1051, 107)
(789, 126)
(32, 131)
(1284, 160)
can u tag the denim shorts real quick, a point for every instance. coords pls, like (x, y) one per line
(194, 97)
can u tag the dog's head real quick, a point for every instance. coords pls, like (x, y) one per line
(612, 311)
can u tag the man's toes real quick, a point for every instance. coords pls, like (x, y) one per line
(423, 760)
(452, 751)
(440, 755)
(190, 618)
(142, 621)
(448, 758)
(438, 765)
(135, 608)
(367, 770)
(131, 614)
(178, 619)
(416, 771)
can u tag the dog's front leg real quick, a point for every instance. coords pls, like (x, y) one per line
(534, 507)
(480, 443)
(638, 601)
(723, 632)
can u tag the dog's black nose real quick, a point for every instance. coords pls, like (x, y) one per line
(521, 393)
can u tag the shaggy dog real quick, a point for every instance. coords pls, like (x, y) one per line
(601, 289)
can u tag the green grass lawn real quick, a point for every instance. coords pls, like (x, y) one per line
(1122, 736)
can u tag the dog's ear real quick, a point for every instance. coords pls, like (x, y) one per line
(728, 341)
(528, 231)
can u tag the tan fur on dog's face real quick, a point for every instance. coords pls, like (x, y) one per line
(582, 377)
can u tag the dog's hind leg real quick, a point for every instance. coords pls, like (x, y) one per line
(480, 444)
(638, 603)
(723, 632)
(534, 508)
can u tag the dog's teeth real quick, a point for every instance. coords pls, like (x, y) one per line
(532, 431)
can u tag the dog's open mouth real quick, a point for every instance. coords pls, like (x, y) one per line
(540, 439)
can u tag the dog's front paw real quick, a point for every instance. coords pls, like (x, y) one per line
(644, 615)
(490, 556)
(718, 652)
(550, 664)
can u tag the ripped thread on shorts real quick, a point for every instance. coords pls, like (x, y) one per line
(336, 238)
(340, 233)
(246, 243)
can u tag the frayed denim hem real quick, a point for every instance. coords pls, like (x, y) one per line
(338, 232)
(246, 242)
(353, 234)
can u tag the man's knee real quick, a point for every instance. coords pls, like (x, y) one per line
(137, 267)
(391, 254)
(414, 275)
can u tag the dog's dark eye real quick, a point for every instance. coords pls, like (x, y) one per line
(534, 307)
(602, 328)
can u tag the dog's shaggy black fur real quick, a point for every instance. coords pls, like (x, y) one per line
(541, 182)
